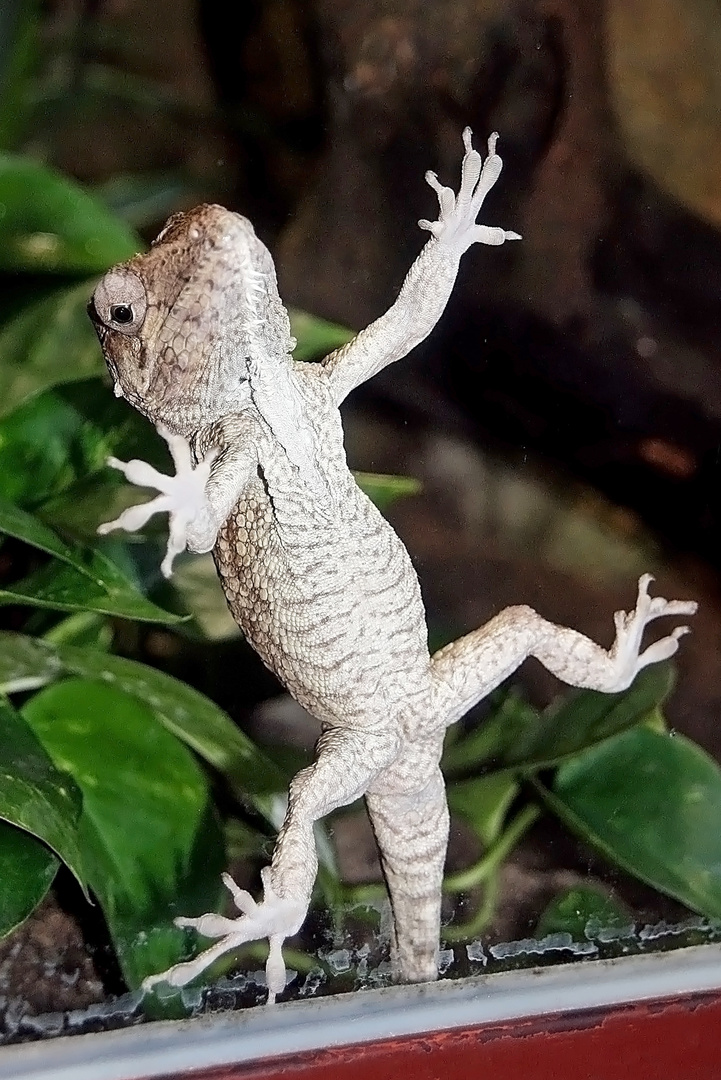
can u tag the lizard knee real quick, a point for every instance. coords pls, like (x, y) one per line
(522, 614)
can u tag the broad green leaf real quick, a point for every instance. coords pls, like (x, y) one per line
(584, 718)
(152, 846)
(316, 337)
(98, 587)
(63, 436)
(50, 224)
(78, 510)
(484, 802)
(652, 804)
(384, 489)
(196, 580)
(35, 795)
(27, 870)
(88, 581)
(510, 722)
(244, 842)
(47, 340)
(85, 628)
(584, 913)
(19, 23)
(27, 663)
(23, 526)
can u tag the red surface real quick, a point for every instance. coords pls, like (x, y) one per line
(678, 1040)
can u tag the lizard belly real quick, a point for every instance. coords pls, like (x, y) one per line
(332, 606)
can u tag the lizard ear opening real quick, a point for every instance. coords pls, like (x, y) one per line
(120, 301)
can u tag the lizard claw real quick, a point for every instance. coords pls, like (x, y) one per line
(456, 225)
(182, 497)
(630, 625)
(276, 918)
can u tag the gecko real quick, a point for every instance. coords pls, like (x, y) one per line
(196, 338)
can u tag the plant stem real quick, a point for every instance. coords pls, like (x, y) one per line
(364, 894)
(294, 958)
(69, 629)
(480, 920)
(497, 852)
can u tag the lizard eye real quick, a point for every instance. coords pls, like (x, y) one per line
(120, 301)
(121, 313)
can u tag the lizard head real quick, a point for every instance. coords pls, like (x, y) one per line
(181, 325)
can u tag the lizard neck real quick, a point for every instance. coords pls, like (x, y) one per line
(279, 397)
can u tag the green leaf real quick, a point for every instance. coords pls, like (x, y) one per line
(23, 526)
(652, 804)
(27, 870)
(64, 435)
(384, 489)
(99, 586)
(510, 722)
(584, 718)
(89, 581)
(196, 581)
(584, 912)
(50, 224)
(53, 453)
(85, 628)
(27, 663)
(484, 802)
(77, 511)
(242, 841)
(316, 337)
(35, 795)
(153, 847)
(47, 340)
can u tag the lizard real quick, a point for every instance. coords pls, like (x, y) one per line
(196, 338)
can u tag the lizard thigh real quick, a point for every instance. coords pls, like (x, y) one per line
(347, 762)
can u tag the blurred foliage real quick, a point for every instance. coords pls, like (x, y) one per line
(18, 57)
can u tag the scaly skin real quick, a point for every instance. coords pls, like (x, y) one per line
(196, 337)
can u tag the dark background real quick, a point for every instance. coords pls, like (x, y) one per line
(595, 340)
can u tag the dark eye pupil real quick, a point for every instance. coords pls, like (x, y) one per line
(121, 313)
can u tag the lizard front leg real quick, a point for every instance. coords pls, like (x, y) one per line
(198, 499)
(346, 763)
(182, 496)
(427, 287)
(467, 670)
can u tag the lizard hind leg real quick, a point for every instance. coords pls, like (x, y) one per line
(346, 763)
(412, 834)
(276, 918)
(467, 670)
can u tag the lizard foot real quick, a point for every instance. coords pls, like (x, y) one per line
(629, 631)
(276, 918)
(182, 496)
(456, 225)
